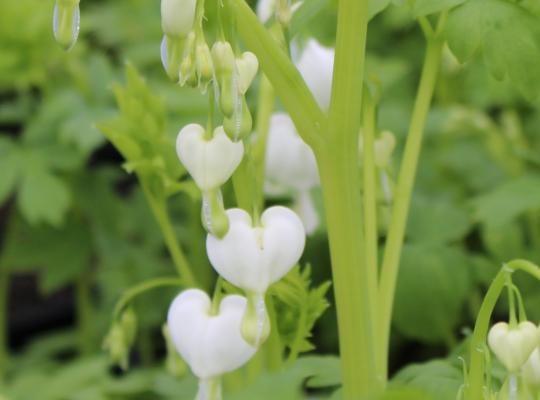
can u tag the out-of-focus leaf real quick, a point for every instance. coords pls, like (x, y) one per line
(508, 201)
(508, 35)
(432, 286)
(425, 7)
(433, 221)
(59, 255)
(439, 378)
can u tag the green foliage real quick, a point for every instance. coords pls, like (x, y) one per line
(299, 307)
(508, 35)
(433, 285)
(139, 134)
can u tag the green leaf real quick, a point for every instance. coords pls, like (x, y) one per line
(43, 197)
(433, 221)
(9, 168)
(425, 7)
(508, 201)
(438, 378)
(60, 255)
(432, 287)
(508, 35)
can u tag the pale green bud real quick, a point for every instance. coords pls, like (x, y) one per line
(255, 326)
(239, 125)
(172, 51)
(225, 66)
(188, 71)
(213, 215)
(205, 65)
(66, 22)
(177, 17)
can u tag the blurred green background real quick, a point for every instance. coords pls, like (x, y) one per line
(76, 231)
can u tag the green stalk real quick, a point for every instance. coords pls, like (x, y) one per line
(400, 210)
(4, 292)
(340, 182)
(474, 389)
(159, 209)
(85, 313)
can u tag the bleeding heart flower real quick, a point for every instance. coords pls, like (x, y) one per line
(290, 162)
(254, 257)
(247, 66)
(316, 65)
(210, 162)
(513, 346)
(210, 344)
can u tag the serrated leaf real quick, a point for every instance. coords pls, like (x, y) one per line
(507, 33)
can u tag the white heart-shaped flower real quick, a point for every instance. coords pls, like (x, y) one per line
(247, 66)
(290, 162)
(177, 17)
(210, 162)
(254, 257)
(211, 344)
(316, 65)
(513, 346)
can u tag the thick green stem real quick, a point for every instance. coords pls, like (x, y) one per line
(340, 182)
(162, 217)
(474, 388)
(85, 313)
(396, 234)
(4, 292)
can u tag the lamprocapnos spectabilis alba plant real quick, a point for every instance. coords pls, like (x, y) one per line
(333, 139)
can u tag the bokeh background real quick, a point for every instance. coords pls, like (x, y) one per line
(76, 231)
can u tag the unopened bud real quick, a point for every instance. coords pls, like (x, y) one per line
(255, 326)
(205, 66)
(66, 22)
(225, 68)
(177, 17)
(239, 125)
(188, 71)
(172, 50)
(213, 215)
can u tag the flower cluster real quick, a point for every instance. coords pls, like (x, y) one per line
(250, 251)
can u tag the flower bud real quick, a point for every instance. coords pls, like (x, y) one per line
(121, 337)
(214, 218)
(205, 66)
(238, 126)
(225, 65)
(513, 345)
(188, 70)
(247, 66)
(384, 147)
(177, 17)
(66, 22)
(172, 50)
(255, 326)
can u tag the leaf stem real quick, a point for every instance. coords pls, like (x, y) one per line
(135, 291)
(403, 194)
(159, 208)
